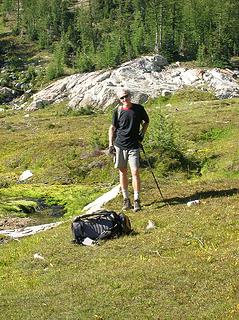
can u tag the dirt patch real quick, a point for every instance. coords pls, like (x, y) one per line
(15, 223)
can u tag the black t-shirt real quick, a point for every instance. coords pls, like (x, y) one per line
(127, 123)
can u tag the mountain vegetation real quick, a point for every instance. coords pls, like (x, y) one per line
(94, 34)
(187, 266)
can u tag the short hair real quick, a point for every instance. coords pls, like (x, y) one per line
(122, 92)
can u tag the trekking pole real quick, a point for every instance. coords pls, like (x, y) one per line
(151, 169)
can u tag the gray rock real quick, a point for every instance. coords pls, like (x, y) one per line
(146, 77)
(7, 94)
(38, 104)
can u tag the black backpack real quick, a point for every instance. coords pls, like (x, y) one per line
(100, 225)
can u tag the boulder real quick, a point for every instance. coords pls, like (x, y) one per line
(6, 94)
(146, 77)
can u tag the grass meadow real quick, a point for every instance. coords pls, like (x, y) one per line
(187, 268)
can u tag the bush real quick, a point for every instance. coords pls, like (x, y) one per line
(56, 67)
(83, 111)
(192, 94)
(84, 62)
(163, 138)
(99, 140)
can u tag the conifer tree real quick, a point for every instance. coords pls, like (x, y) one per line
(103, 33)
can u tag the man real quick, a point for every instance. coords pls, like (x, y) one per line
(129, 124)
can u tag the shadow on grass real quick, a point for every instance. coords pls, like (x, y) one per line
(203, 195)
(195, 196)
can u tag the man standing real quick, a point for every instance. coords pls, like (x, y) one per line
(129, 124)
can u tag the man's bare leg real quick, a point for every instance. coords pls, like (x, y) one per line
(136, 182)
(124, 184)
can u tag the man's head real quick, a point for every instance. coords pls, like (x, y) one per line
(124, 97)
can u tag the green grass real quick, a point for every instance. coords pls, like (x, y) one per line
(1, 23)
(186, 268)
(57, 148)
(72, 197)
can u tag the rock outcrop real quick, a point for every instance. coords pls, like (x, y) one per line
(147, 77)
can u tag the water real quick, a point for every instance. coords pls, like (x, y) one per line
(35, 210)
(46, 213)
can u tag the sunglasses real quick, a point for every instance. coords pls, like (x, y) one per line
(124, 97)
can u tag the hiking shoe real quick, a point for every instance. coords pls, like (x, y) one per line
(126, 204)
(137, 206)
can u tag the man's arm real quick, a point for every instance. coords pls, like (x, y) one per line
(111, 135)
(144, 123)
(143, 131)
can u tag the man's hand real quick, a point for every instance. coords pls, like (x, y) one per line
(111, 150)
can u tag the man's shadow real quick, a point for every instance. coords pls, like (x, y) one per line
(197, 196)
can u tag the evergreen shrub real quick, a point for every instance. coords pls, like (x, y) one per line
(163, 140)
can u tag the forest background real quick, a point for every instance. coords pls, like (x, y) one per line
(95, 34)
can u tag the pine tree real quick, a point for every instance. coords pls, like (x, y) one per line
(103, 33)
(137, 31)
(56, 67)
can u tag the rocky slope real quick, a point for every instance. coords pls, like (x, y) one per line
(147, 77)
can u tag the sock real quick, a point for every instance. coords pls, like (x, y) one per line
(136, 195)
(125, 194)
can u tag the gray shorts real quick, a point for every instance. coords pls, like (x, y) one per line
(123, 157)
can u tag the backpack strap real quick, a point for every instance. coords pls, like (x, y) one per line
(96, 213)
(118, 112)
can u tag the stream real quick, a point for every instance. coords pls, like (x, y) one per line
(25, 212)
